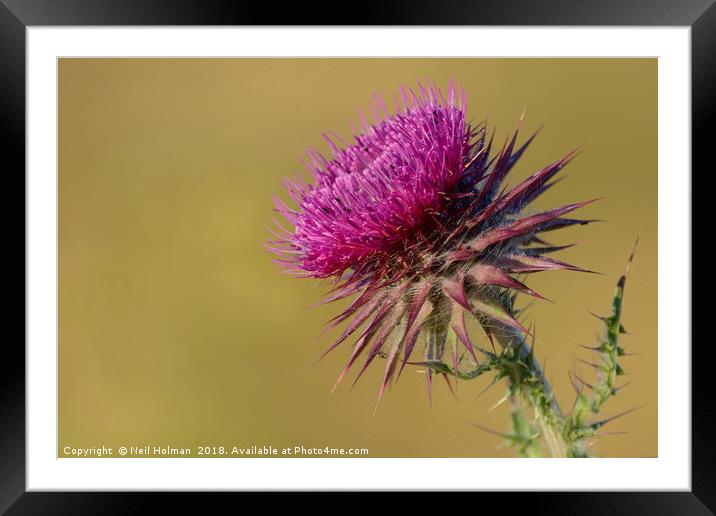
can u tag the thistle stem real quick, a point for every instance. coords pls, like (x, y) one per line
(550, 419)
(527, 380)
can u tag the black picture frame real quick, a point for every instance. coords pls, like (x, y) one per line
(17, 15)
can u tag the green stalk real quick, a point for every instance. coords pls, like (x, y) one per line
(527, 380)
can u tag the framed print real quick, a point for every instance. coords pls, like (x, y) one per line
(272, 252)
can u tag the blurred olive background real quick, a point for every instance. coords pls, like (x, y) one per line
(176, 329)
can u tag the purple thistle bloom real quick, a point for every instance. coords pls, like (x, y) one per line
(373, 194)
(413, 220)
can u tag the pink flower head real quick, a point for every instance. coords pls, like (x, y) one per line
(412, 219)
(374, 194)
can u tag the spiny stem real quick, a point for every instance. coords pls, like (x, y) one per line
(532, 386)
(580, 425)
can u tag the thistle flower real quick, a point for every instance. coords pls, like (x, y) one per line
(413, 221)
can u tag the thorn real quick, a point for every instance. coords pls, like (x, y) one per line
(489, 431)
(622, 330)
(583, 382)
(603, 422)
(489, 386)
(617, 389)
(631, 257)
(585, 362)
(499, 402)
(600, 317)
(591, 348)
(577, 389)
(375, 409)
(452, 391)
(604, 434)
(531, 353)
(488, 332)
